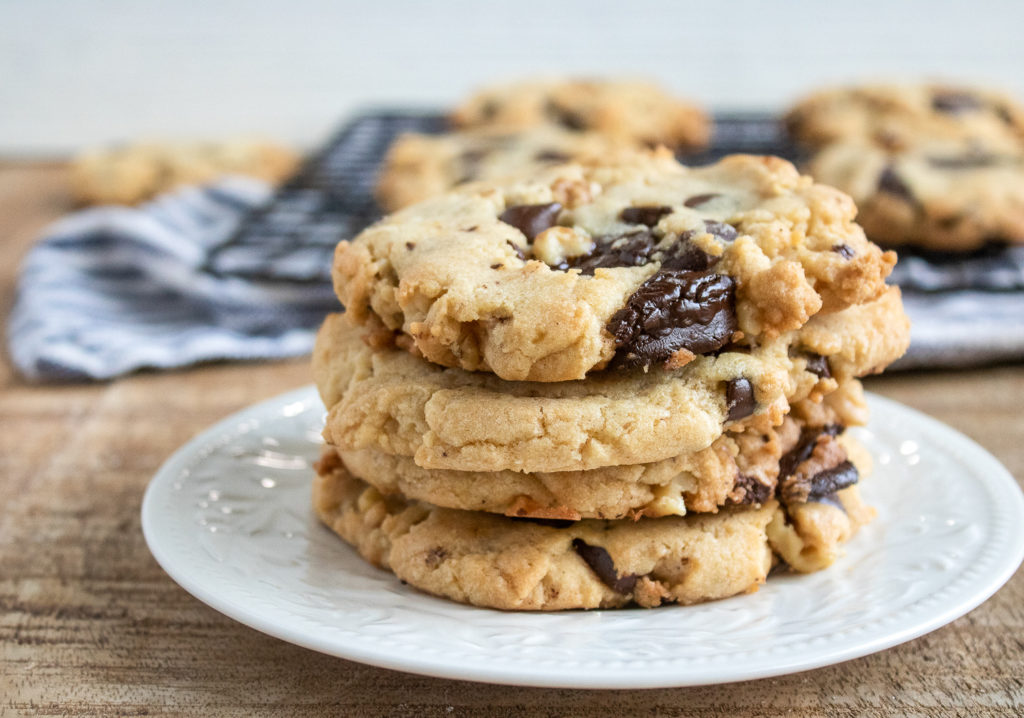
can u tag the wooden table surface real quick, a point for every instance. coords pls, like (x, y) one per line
(91, 625)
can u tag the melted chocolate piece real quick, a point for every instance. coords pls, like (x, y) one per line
(600, 562)
(844, 251)
(805, 447)
(725, 232)
(832, 480)
(566, 118)
(955, 103)
(531, 219)
(551, 156)
(891, 183)
(699, 199)
(817, 364)
(685, 256)
(673, 310)
(490, 109)
(635, 249)
(469, 162)
(644, 215)
(754, 492)
(739, 399)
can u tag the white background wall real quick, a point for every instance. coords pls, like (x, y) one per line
(74, 73)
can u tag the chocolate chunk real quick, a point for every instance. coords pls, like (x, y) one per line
(684, 255)
(699, 199)
(410, 246)
(644, 215)
(955, 103)
(600, 562)
(531, 219)
(518, 250)
(833, 480)
(435, 556)
(739, 399)
(551, 156)
(637, 248)
(469, 163)
(753, 491)
(964, 162)
(725, 232)
(673, 310)
(817, 364)
(844, 251)
(805, 447)
(566, 118)
(632, 249)
(891, 183)
(490, 109)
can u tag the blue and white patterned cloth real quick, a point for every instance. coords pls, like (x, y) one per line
(110, 290)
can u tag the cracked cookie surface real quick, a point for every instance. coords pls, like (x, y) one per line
(637, 112)
(936, 166)
(639, 264)
(525, 564)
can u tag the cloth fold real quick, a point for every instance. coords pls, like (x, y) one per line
(110, 290)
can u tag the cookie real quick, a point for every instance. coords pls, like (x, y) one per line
(525, 564)
(419, 166)
(134, 173)
(637, 112)
(738, 468)
(939, 196)
(642, 264)
(931, 166)
(382, 397)
(904, 117)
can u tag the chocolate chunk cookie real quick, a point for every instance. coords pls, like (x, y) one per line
(935, 166)
(134, 173)
(526, 564)
(384, 398)
(636, 112)
(740, 468)
(643, 264)
(419, 166)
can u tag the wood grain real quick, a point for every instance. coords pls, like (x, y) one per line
(91, 626)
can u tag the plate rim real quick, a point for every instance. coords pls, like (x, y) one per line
(438, 667)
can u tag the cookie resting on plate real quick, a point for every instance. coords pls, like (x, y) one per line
(532, 564)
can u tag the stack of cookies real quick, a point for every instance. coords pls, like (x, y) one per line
(602, 384)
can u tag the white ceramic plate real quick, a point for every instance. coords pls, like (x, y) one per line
(228, 517)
